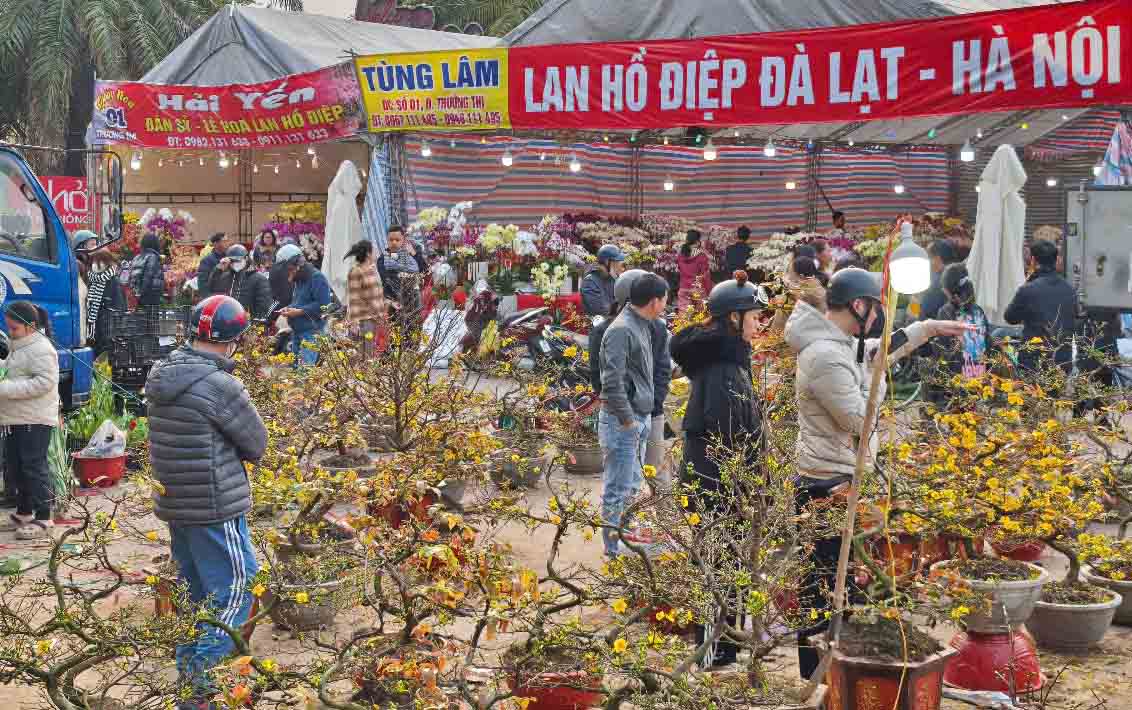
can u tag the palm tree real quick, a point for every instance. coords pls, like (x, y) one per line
(495, 17)
(51, 49)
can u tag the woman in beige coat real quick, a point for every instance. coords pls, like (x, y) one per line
(29, 411)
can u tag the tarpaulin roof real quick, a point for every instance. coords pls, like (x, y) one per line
(249, 45)
(567, 21)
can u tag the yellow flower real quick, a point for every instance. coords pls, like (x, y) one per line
(579, 389)
(959, 613)
(620, 645)
(151, 536)
(1034, 341)
(683, 501)
(113, 524)
(258, 590)
(694, 519)
(619, 606)
(42, 648)
(515, 458)
(649, 471)
(1006, 386)
(268, 665)
(571, 351)
(302, 597)
(151, 580)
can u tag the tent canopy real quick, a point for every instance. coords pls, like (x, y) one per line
(567, 21)
(249, 45)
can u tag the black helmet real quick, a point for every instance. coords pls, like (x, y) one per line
(237, 251)
(850, 284)
(218, 319)
(735, 296)
(610, 252)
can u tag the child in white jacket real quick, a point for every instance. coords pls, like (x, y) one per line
(29, 411)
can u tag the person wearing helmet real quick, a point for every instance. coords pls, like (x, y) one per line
(278, 278)
(597, 286)
(305, 314)
(721, 411)
(203, 426)
(662, 369)
(832, 381)
(628, 400)
(235, 277)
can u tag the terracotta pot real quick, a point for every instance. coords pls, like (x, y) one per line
(994, 662)
(1011, 602)
(1124, 589)
(1072, 627)
(1030, 551)
(549, 691)
(584, 461)
(866, 683)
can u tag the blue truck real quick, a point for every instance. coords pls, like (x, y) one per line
(38, 262)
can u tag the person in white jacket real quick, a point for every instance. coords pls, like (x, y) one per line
(29, 410)
(833, 376)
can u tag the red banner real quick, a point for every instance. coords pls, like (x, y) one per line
(303, 108)
(69, 196)
(1053, 56)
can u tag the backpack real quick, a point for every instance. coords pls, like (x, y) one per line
(137, 274)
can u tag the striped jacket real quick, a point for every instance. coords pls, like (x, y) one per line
(365, 293)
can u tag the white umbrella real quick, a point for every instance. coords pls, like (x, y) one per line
(996, 264)
(343, 226)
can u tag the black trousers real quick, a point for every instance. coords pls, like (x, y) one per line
(818, 583)
(25, 459)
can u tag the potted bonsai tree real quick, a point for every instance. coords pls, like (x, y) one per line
(1109, 565)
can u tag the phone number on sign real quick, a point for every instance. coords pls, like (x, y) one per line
(472, 119)
(235, 143)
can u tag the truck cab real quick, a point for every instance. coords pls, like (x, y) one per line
(37, 264)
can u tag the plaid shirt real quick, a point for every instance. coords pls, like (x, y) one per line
(365, 293)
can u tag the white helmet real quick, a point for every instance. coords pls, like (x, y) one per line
(286, 252)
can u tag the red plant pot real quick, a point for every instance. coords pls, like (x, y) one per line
(562, 691)
(99, 473)
(860, 683)
(990, 661)
(1030, 551)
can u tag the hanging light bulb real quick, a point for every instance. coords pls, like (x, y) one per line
(791, 185)
(161, 162)
(483, 140)
(978, 188)
(201, 161)
(1051, 182)
(898, 188)
(310, 150)
(909, 265)
(314, 161)
(967, 152)
(223, 162)
(710, 153)
(255, 168)
(542, 156)
(1097, 170)
(276, 168)
(735, 133)
(426, 149)
(669, 185)
(236, 160)
(666, 140)
(1025, 126)
(575, 164)
(770, 151)
(605, 138)
(852, 142)
(979, 133)
(180, 163)
(508, 160)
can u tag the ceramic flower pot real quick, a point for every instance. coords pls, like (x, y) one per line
(1072, 627)
(1011, 602)
(860, 683)
(584, 461)
(1030, 551)
(316, 613)
(1006, 662)
(1123, 613)
(561, 691)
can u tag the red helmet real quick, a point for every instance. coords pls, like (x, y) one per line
(218, 319)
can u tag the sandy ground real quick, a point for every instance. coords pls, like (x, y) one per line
(1106, 671)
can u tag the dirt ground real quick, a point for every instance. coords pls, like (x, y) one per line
(1105, 674)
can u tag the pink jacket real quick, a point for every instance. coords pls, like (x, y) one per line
(695, 274)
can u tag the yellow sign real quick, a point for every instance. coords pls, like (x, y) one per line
(463, 90)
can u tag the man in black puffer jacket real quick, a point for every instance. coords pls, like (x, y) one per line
(202, 428)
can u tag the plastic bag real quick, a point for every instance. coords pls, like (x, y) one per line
(108, 442)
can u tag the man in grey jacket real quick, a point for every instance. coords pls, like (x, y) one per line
(627, 393)
(202, 428)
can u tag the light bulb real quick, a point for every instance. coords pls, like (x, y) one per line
(605, 138)
(770, 151)
(791, 185)
(1064, 117)
(978, 188)
(297, 163)
(967, 152)
(180, 164)
(452, 143)
(255, 168)
(1097, 170)
(426, 149)
(710, 153)
(135, 161)
(508, 159)
(1025, 126)
(310, 150)
(909, 266)
(223, 162)
(575, 164)
(236, 160)
(669, 186)
(161, 162)
(277, 169)
(979, 133)
(314, 161)
(542, 156)
(735, 133)
(852, 142)
(898, 188)
(201, 162)
(483, 140)
(666, 140)
(1051, 182)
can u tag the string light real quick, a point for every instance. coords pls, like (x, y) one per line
(1051, 182)
(508, 159)
(710, 152)
(967, 152)
(791, 185)
(898, 188)
(575, 164)
(426, 149)
(223, 162)
(669, 185)
(770, 151)
(135, 161)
